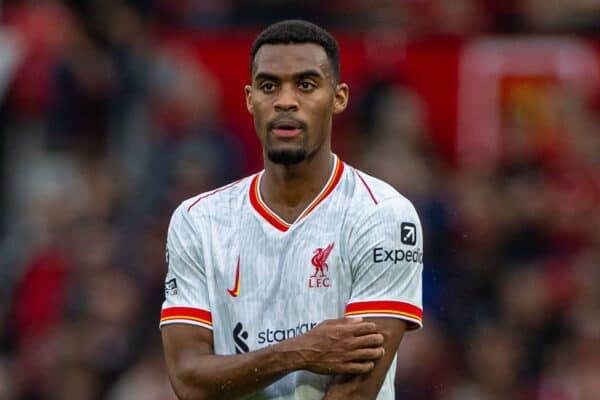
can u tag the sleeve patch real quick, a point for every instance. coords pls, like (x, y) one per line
(171, 287)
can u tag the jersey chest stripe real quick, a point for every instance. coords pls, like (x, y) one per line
(366, 186)
(211, 193)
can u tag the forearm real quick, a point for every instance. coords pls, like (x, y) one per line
(355, 387)
(341, 346)
(209, 376)
(367, 386)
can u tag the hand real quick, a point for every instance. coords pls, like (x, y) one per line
(341, 346)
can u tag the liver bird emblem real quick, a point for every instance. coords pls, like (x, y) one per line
(319, 260)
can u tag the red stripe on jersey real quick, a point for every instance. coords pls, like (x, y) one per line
(366, 186)
(211, 193)
(337, 175)
(394, 308)
(263, 210)
(278, 222)
(186, 313)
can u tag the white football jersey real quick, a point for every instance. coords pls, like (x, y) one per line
(238, 269)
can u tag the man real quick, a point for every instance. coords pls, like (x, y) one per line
(300, 281)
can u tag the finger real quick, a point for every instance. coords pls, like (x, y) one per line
(366, 354)
(356, 367)
(370, 340)
(353, 320)
(363, 328)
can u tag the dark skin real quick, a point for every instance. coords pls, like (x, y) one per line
(292, 83)
(295, 82)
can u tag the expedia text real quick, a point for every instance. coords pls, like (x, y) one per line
(382, 255)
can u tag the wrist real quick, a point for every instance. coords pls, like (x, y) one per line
(289, 352)
(350, 389)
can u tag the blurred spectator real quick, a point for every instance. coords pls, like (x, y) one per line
(85, 80)
(461, 17)
(5, 380)
(493, 358)
(190, 13)
(561, 15)
(427, 364)
(396, 138)
(147, 379)
(187, 118)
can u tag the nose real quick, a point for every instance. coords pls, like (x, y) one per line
(286, 99)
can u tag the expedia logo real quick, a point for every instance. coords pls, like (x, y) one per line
(383, 255)
(408, 233)
(268, 336)
(239, 337)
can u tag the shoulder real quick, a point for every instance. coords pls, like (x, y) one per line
(214, 203)
(219, 199)
(376, 198)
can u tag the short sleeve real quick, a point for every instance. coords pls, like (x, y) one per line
(386, 257)
(186, 292)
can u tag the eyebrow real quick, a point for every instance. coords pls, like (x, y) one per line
(309, 73)
(264, 76)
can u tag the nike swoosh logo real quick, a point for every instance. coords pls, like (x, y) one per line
(236, 288)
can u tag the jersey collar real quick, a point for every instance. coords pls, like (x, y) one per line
(264, 211)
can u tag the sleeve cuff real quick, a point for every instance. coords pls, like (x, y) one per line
(412, 314)
(186, 315)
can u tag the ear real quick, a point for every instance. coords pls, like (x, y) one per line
(248, 92)
(340, 101)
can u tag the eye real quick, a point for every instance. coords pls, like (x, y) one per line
(306, 86)
(267, 87)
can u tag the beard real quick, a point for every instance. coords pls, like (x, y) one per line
(287, 157)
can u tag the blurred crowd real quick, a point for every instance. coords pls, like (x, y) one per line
(104, 133)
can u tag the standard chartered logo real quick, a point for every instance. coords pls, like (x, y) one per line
(268, 336)
(239, 337)
(277, 335)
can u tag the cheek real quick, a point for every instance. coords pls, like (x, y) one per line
(259, 114)
(322, 116)
(259, 127)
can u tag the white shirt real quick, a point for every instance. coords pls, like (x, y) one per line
(238, 269)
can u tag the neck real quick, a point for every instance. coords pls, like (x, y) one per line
(287, 190)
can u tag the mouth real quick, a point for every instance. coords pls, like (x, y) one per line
(288, 128)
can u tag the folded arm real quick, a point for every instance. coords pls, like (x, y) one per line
(367, 386)
(342, 346)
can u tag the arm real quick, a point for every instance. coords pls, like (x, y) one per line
(343, 346)
(367, 386)
(386, 260)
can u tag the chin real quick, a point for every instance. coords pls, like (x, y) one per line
(287, 156)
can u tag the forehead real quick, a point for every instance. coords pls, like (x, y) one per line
(287, 59)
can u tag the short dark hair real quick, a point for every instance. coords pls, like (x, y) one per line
(296, 31)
